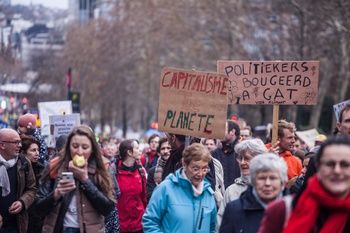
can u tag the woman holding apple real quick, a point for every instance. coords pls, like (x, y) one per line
(78, 204)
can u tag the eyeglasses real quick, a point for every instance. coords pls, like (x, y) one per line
(197, 169)
(264, 178)
(330, 165)
(17, 142)
(245, 158)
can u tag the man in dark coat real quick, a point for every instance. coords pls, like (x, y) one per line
(226, 154)
(17, 183)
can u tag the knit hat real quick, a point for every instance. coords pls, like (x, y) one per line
(28, 120)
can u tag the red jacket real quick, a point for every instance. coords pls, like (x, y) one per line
(147, 159)
(132, 201)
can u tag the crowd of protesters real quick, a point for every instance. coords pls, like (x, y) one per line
(177, 183)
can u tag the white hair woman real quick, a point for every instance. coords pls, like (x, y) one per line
(268, 173)
(246, 151)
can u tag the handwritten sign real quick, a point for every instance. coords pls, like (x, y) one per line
(338, 107)
(282, 83)
(192, 103)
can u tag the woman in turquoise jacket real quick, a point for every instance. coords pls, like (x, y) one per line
(184, 201)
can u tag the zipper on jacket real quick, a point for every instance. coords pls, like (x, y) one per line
(200, 221)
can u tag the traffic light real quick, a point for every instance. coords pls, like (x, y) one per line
(74, 96)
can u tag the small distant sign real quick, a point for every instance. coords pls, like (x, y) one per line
(308, 136)
(338, 107)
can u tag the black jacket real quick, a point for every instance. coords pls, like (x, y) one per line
(228, 158)
(174, 161)
(242, 215)
(151, 185)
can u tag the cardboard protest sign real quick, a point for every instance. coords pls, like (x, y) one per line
(192, 103)
(47, 109)
(338, 107)
(266, 82)
(308, 136)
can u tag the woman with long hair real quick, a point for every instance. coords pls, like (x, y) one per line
(79, 205)
(131, 177)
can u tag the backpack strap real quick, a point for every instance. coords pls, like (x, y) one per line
(142, 174)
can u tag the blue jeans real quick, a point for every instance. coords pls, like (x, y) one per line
(71, 230)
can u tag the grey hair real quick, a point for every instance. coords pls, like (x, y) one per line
(268, 162)
(255, 146)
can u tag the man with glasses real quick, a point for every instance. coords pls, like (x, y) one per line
(246, 133)
(17, 184)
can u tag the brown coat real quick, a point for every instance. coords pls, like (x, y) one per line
(87, 214)
(90, 219)
(26, 193)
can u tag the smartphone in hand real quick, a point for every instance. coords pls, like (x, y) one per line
(68, 176)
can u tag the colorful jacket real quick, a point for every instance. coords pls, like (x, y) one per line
(174, 208)
(293, 163)
(132, 201)
(147, 159)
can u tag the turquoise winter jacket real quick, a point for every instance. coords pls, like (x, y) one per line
(174, 208)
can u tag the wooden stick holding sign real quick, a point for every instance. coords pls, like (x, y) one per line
(276, 109)
(271, 82)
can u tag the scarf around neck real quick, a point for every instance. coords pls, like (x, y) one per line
(196, 190)
(158, 173)
(304, 215)
(4, 178)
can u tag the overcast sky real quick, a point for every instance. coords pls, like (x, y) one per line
(62, 4)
